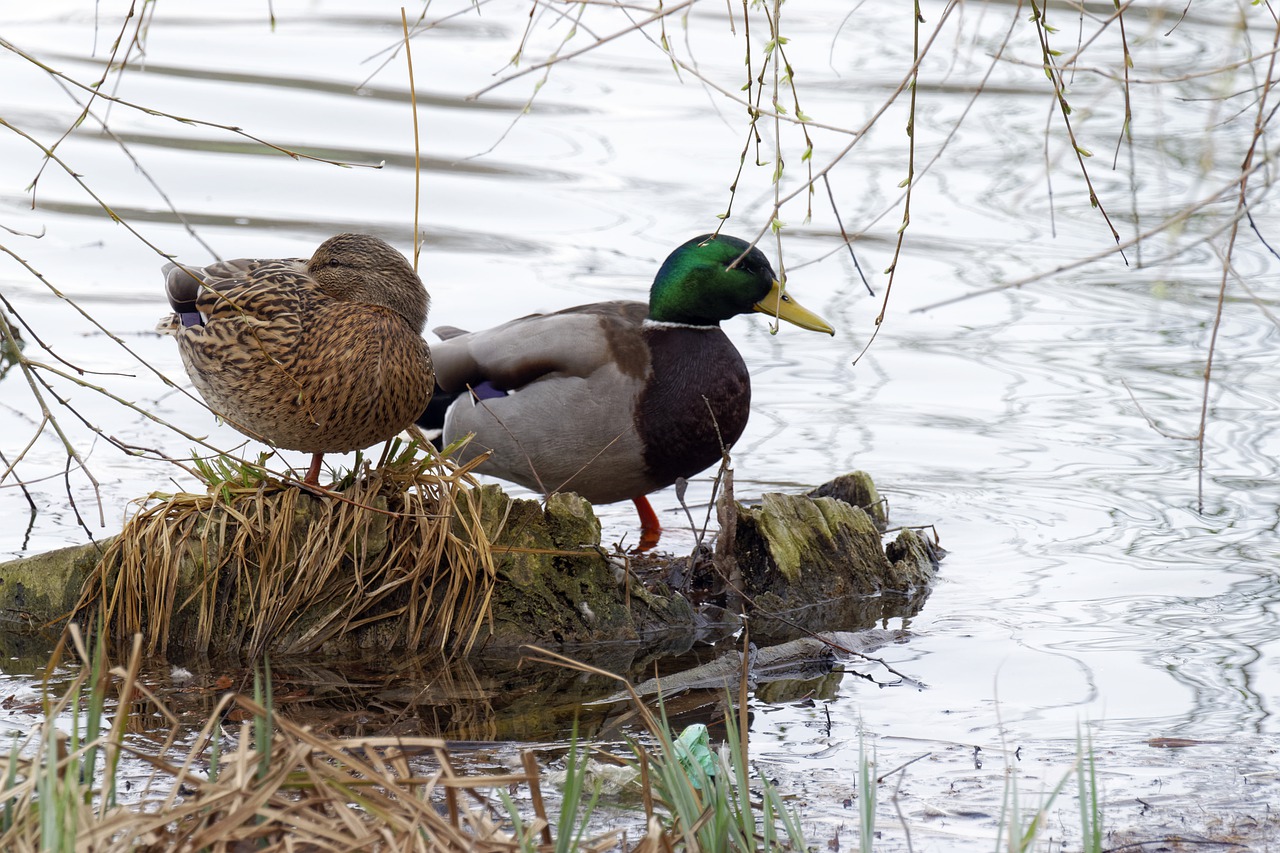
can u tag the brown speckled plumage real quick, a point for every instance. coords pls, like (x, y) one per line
(321, 355)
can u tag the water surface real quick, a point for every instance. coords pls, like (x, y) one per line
(1086, 589)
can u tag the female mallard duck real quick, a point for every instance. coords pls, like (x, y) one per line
(323, 355)
(617, 399)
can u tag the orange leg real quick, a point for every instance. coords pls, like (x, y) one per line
(313, 473)
(650, 529)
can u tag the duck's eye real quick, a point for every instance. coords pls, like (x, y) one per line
(333, 262)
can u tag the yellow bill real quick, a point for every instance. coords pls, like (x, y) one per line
(781, 305)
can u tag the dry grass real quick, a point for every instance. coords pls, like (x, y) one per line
(256, 565)
(279, 786)
(252, 779)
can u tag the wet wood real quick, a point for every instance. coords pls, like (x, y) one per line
(799, 564)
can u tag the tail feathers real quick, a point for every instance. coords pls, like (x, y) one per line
(183, 289)
(444, 333)
(432, 418)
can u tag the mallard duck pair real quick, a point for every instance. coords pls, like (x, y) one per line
(611, 400)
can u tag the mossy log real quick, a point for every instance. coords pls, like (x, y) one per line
(381, 569)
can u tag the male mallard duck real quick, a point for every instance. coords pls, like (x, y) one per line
(617, 399)
(323, 355)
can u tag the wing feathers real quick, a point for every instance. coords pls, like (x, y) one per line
(575, 342)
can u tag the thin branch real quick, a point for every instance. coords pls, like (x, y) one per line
(1054, 73)
(417, 142)
(1175, 220)
(95, 90)
(296, 155)
(600, 42)
(1246, 169)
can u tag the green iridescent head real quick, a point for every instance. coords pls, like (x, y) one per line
(696, 286)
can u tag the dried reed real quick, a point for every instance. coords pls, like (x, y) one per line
(279, 786)
(398, 556)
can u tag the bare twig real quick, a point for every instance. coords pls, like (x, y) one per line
(1246, 168)
(296, 155)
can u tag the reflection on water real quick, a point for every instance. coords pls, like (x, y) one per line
(1082, 588)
